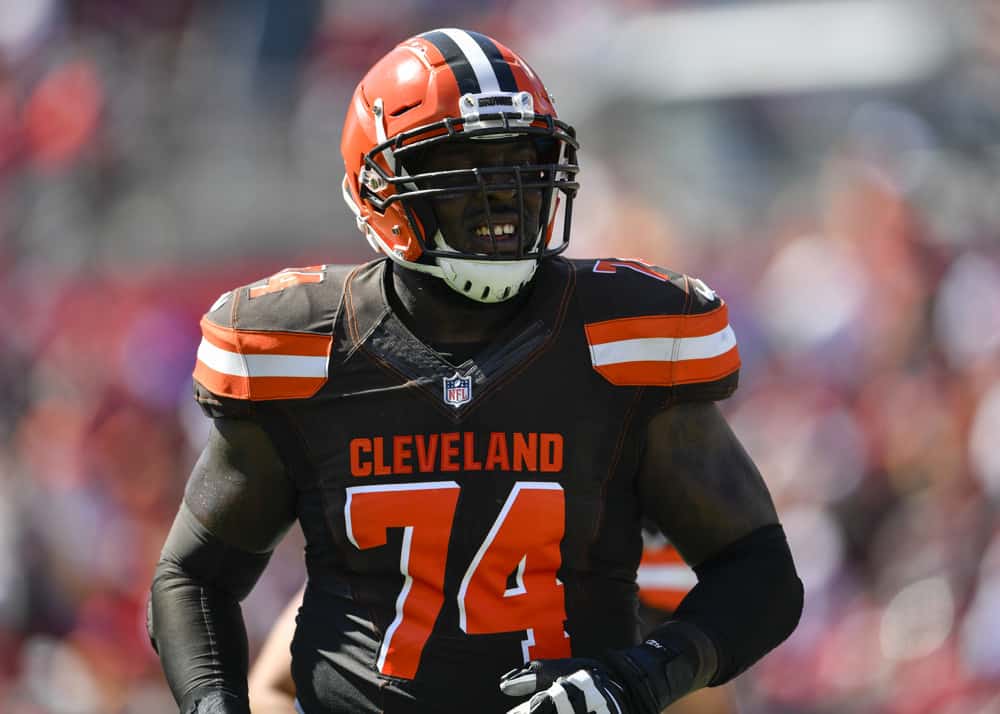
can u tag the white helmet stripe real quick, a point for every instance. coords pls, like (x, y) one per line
(478, 60)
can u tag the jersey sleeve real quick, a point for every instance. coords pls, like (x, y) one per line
(262, 344)
(663, 329)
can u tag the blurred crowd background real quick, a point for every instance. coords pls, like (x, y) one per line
(831, 168)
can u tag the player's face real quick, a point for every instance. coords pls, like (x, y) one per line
(462, 217)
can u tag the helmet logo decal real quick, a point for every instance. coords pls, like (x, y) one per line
(457, 390)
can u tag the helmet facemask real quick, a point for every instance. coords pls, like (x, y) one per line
(513, 234)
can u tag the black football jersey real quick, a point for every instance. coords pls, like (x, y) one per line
(461, 519)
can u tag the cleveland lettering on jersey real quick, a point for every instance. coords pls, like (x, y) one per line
(403, 454)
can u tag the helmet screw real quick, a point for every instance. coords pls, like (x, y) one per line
(395, 230)
(468, 101)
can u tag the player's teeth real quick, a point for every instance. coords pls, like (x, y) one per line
(498, 230)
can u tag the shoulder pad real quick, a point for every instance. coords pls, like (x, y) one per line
(650, 326)
(268, 340)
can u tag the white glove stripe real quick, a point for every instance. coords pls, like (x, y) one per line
(596, 702)
(559, 697)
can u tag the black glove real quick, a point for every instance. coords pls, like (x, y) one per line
(640, 680)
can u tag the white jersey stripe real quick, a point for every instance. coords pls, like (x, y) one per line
(221, 360)
(478, 60)
(260, 365)
(664, 349)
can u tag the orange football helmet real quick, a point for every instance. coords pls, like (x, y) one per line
(452, 85)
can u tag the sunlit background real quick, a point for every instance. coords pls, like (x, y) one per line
(831, 168)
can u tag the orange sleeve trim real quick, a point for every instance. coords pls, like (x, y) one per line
(260, 342)
(256, 388)
(666, 373)
(223, 385)
(630, 328)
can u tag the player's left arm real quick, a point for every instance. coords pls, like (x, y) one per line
(705, 493)
(703, 490)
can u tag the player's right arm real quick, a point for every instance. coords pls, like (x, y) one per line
(237, 505)
(263, 346)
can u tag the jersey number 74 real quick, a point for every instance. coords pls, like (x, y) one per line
(524, 539)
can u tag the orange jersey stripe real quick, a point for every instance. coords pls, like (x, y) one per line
(259, 342)
(629, 328)
(666, 373)
(706, 370)
(223, 385)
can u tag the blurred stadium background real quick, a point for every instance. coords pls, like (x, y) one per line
(832, 168)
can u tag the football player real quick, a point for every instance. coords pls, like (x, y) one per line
(469, 430)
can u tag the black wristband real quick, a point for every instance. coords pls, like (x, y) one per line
(676, 659)
(693, 657)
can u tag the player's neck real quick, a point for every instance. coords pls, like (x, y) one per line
(437, 314)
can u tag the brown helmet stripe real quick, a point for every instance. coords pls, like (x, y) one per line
(460, 66)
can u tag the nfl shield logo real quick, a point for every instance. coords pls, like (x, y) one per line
(457, 390)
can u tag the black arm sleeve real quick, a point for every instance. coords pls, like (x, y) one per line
(195, 621)
(748, 600)
(238, 504)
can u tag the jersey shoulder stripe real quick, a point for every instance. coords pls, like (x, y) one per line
(257, 365)
(664, 350)
(269, 340)
(650, 326)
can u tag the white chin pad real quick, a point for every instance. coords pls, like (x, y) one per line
(487, 280)
(484, 280)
